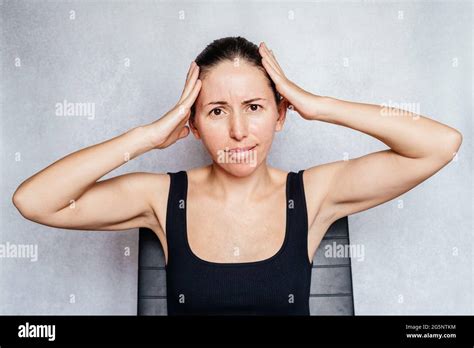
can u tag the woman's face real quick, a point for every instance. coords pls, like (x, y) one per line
(236, 108)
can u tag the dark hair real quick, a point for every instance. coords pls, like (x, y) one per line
(229, 48)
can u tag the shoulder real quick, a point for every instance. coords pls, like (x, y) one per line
(198, 175)
(199, 171)
(278, 176)
(157, 186)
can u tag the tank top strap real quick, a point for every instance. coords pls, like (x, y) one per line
(298, 218)
(175, 216)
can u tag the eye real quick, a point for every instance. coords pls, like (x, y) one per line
(212, 113)
(253, 105)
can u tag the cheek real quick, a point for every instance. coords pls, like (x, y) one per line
(213, 135)
(262, 127)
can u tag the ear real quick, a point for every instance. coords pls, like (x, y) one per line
(192, 127)
(282, 106)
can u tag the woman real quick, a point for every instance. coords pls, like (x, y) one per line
(238, 236)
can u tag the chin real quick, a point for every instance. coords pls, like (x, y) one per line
(239, 170)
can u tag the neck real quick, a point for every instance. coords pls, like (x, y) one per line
(240, 189)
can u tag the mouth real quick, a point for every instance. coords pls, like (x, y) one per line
(241, 149)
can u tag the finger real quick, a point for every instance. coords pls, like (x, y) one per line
(190, 83)
(178, 132)
(184, 106)
(276, 62)
(184, 114)
(187, 87)
(190, 71)
(264, 52)
(271, 63)
(271, 59)
(271, 71)
(189, 100)
(184, 132)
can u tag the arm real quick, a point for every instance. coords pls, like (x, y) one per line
(66, 194)
(419, 147)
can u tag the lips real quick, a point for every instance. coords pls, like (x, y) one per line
(241, 149)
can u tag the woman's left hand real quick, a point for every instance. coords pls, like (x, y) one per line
(305, 103)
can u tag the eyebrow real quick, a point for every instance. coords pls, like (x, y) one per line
(223, 102)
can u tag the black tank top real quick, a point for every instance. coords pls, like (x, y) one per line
(278, 285)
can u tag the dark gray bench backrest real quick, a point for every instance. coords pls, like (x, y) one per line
(331, 283)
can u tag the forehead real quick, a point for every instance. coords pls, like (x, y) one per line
(229, 81)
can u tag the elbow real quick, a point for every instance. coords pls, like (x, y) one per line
(24, 206)
(31, 206)
(455, 141)
(18, 201)
(451, 145)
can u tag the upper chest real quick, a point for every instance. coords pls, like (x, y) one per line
(220, 231)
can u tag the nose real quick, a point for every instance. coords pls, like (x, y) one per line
(238, 129)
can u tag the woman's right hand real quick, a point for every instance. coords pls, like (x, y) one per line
(172, 126)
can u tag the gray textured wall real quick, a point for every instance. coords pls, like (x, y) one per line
(129, 60)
